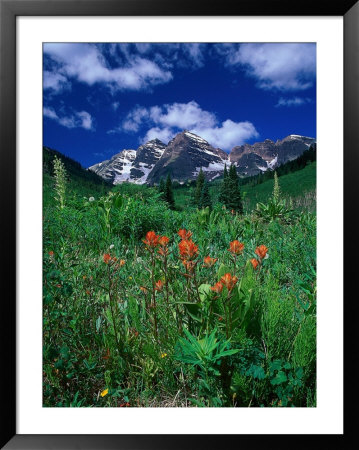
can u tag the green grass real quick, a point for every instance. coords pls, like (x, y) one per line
(299, 185)
(109, 329)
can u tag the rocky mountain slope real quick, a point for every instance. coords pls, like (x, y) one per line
(261, 156)
(184, 156)
(187, 153)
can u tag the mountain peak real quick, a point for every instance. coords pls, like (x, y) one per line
(187, 153)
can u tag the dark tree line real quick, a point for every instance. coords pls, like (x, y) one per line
(166, 188)
(230, 194)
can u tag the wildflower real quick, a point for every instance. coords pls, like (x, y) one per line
(163, 355)
(184, 234)
(217, 287)
(159, 285)
(229, 281)
(106, 258)
(112, 246)
(163, 241)
(188, 249)
(189, 265)
(91, 199)
(122, 262)
(254, 263)
(236, 247)
(220, 318)
(51, 253)
(151, 240)
(143, 289)
(209, 262)
(58, 286)
(261, 251)
(103, 393)
(130, 278)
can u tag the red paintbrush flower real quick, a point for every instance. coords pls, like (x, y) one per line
(151, 240)
(184, 234)
(236, 247)
(188, 250)
(261, 251)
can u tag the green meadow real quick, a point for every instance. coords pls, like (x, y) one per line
(150, 306)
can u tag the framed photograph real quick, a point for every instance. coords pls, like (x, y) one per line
(174, 181)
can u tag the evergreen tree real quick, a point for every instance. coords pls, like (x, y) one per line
(234, 200)
(169, 192)
(162, 186)
(199, 186)
(205, 200)
(224, 192)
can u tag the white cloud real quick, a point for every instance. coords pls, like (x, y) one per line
(134, 119)
(55, 81)
(284, 67)
(167, 120)
(86, 63)
(294, 101)
(163, 134)
(228, 135)
(79, 119)
(186, 115)
(50, 113)
(194, 54)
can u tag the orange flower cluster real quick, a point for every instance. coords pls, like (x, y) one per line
(159, 286)
(226, 281)
(188, 250)
(236, 247)
(107, 258)
(152, 240)
(209, 262)
(261, 251)
(217, 288)
(163, 242)
(184, 234)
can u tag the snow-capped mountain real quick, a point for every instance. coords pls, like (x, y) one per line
(131, 165)
(184, 156)
(117, 169)
(147, 156)
(261, 156)
(187, 153)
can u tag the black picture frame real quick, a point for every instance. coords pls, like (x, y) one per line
(9, 10)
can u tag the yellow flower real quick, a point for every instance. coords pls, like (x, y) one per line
(130, 278)
(163, 355)
(105, 392)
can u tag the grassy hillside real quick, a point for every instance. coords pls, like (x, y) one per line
(132, 320)
(299, 185)
(81, 182)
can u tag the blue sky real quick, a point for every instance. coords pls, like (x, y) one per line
(102, 98)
